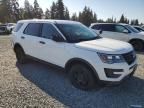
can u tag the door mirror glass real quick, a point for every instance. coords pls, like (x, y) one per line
(58, 38)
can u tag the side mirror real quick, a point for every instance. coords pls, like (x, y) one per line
(100, 32)
(58, 38)
(126, 31)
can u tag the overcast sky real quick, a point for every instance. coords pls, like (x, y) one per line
(132, 9)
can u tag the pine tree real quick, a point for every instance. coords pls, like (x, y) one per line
(53, 11)
(38, 13)
(100, 21)
(122, 19)
(86, 16)
(74, 17)
(60, 9)
(5, 11)
(28, 10)
(94, 17)
(66, 14)
(115, 20)
(15, 10)
(47, 14)
(136, 22)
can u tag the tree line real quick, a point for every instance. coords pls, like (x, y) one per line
(10, 11)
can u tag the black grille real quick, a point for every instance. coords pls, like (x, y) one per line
(129, 57)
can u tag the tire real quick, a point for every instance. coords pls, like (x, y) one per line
(20, 55)
(82, 77)
(138, 45)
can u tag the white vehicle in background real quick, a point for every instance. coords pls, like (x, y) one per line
(3, 29)
(10, 27)
(88, 58)
(139, 28)
(123, 32)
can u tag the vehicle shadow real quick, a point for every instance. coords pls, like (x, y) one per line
(56, 84)
(4, 34)
(141, 53)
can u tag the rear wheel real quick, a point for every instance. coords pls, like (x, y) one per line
(82, 77)
(138, 45)
(20, 55)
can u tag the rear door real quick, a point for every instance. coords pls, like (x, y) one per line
(30, 39)
(106, 28)
(114, 31)
(108, 31)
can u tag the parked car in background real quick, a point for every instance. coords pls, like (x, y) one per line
(139, 28)
(6, 28)
(88, 58)
(10, 27)
(3, 29)
(143, 26)
(123, 32)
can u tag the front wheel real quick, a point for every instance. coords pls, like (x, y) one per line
(81, 77)
(138, 45)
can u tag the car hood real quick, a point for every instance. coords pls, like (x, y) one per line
(105, 45)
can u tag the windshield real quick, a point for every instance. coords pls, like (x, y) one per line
(77, 32)
(132, 29)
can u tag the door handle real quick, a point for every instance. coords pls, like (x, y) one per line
(41, 42)
(22, 37)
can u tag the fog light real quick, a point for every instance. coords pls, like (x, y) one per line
(110, 73)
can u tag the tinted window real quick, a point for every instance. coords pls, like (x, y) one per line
(97, 27)
(18, 26)
(104, 27)
(139, 29)
(48, 31)
(132, 29)
(119, 28)
(33, 29)
(107, 27)
(10, 24)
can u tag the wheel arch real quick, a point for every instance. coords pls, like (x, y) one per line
(83, 62)
(136, 39)
(17, 45)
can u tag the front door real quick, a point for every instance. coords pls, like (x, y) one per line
(51, 51)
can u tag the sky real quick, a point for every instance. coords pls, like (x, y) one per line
(132, 9)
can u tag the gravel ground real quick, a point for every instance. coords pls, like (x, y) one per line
(36, 85)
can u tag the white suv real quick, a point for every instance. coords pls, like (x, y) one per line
(10, 27)
(123, 32)
(88, 58)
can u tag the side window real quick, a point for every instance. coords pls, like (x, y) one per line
(107, 27)
(18, 26)
(48, 31)
(119, 28)
(33, 29)
(96, 27)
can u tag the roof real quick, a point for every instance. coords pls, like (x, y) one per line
(108, 23)
(49, 20)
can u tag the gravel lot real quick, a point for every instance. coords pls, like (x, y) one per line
(36, 85)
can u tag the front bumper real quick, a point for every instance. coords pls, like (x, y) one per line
(120, 71)
(110, 83)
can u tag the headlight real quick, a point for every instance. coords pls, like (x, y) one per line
(111, 58)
